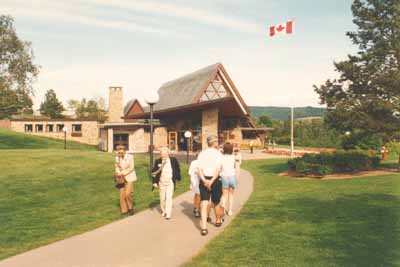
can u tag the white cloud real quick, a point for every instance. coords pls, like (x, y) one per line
(81, 12)
(185, 12)
(257, 86)
(59, 12)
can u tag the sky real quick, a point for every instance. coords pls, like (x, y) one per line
(85, 46)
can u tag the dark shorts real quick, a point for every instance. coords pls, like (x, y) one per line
(119, 186)
(216, 191)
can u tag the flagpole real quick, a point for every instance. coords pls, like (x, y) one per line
(292, 132)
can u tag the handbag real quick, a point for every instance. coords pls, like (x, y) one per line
(119, 180)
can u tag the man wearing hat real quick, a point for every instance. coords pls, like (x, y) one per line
(210, 164)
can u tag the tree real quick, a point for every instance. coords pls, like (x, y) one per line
(394, 147)
(365, 100)
(51, 107)
(265, 121)
(93, 109)
(17, 71)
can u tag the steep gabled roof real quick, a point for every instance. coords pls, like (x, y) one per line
(183, 91)
(198, 88)
(131, 104)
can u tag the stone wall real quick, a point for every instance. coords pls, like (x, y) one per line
(103, 140)
(160, 137)
(6, 124)
(88, 135)
(137, 141)
(209, 124)
(237, 137)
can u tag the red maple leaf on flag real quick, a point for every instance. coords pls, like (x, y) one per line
(281, 28)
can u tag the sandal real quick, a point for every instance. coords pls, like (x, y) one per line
(204, 232)
(218, 224)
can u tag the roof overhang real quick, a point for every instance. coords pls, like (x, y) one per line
(128, 124)
(217, 103)
(259, 129)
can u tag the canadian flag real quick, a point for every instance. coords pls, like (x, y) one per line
(281, 28)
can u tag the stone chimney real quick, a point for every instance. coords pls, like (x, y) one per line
(115, 104)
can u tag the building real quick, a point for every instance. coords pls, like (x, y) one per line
(82, 131)
(204, 102)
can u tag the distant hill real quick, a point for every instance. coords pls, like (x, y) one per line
(14, 140)
(283, 113)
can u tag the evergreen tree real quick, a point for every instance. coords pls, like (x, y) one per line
(365, 100)
(51, 107)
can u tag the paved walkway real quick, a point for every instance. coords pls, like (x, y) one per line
(145, 239)
(258, 154)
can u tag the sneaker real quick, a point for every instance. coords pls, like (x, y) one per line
(131, 212)
(209, 220)
(168, 218)
(197, 214)
(163, 214)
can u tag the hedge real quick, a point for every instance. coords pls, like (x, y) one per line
(349, 161)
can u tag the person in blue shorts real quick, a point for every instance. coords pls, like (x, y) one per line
(228, 177)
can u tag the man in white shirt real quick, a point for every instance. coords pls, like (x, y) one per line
(209, 165)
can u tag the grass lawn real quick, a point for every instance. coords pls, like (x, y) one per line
(14, 140)
(50, 194)
(289, 222)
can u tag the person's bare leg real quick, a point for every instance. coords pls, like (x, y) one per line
(231, 193)
(197, 201)
(224, 200)
(204, 213)
(209, 209)
(217, 212)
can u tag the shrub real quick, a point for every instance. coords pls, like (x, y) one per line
(337, 162)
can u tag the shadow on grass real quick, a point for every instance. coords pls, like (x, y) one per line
(354, 230)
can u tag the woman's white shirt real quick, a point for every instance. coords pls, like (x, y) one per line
(228, 165)
(193, 172)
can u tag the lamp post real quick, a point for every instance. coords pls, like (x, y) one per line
(188, 134)
(65, 130)
(292, 132)
(151, 102)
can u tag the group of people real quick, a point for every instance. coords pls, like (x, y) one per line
(213, 175)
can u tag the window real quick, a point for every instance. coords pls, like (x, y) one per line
(28, 128)
(60, 127)
(76, 128)
(215, 90)
(50, 128)
(249, 135)
(39, 128)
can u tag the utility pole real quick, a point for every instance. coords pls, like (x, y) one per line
(292, 133)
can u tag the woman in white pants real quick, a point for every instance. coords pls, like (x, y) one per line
(166, 172)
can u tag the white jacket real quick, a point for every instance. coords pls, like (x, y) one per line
(126, 166)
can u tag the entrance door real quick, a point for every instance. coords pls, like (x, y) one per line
(173, 141)
(121, 139)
